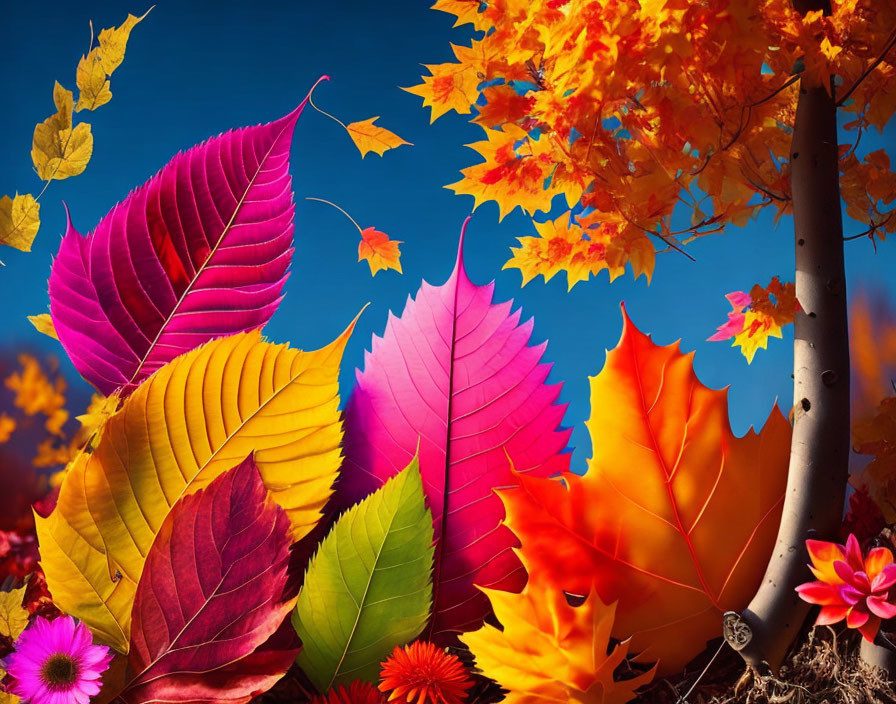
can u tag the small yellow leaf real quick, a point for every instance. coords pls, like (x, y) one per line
(92, 81)
(114, 41)
(57, 150)
(13, 617)
(373, 138)
(19, 221)
(43, 323)
(7, 426)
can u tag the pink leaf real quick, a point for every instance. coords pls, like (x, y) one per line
(209, 618)
(456, 373)
(200, 250)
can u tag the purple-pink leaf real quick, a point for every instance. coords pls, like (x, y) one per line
(209, 619)
(200, 250)
(456, 374)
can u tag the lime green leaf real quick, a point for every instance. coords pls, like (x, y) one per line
(369, 587)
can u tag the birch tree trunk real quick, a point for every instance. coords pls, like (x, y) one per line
(816, 481)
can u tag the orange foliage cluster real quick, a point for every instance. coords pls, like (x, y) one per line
(630, 108)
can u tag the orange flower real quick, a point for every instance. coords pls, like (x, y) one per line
(358, 692)
(421, 673)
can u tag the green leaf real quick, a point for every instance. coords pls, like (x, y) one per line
(369, 587)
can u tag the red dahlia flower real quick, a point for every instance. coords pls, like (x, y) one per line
(851, 586)
(358, 692)
(421, 673)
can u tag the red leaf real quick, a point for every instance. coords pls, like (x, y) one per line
(209, 620)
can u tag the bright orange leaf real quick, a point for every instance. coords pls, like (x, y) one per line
(378, 251)
(675, 518)
(369, 137)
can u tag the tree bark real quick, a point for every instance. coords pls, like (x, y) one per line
(816, 482)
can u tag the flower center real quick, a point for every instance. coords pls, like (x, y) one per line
(59, 671)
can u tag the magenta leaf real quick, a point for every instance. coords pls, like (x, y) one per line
(456, 374)
(209, 618)
(200, 250)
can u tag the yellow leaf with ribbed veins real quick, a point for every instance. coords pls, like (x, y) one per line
(192, 420)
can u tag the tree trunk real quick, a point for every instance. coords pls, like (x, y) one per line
(816, 482)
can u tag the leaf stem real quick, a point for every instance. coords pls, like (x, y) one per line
(322, 200)
(324, 112)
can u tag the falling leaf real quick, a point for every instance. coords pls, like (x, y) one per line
(373, 138)
(379, 251)
(474, 397)
(113, 42)
(13, 616)
(184, 426)
(208, 620)
(549, 651)
(58, 150)
(680, 539)
(368, 588)
(19, 221)
(165, 285)
(43, 323)
(92, 82)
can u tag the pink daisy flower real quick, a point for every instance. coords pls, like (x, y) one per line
(56, 662)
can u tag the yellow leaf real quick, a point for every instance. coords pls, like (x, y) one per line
(549, 651)
(7, 426)
(19, 221)
(373, 138)
(192, 420)
(100, 410)
(43, 323)
(13, 617)
(451, 86)
(758, 327)
(114, 41)
(57, 150)
(466, 11)
(92, 82)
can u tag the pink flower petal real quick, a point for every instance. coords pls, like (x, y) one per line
(884, 580)
(870, 628)
(856, 618)
(854, 553)
(831, 614)
(819, 593)
(881, 607)
(850, 595)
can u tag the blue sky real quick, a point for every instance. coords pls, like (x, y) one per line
(194, 69)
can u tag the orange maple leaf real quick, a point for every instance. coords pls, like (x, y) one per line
(379, 251)
(675, 518)
(369, 137)
(550, 651)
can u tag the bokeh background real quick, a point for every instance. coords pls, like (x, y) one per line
(195, 69)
